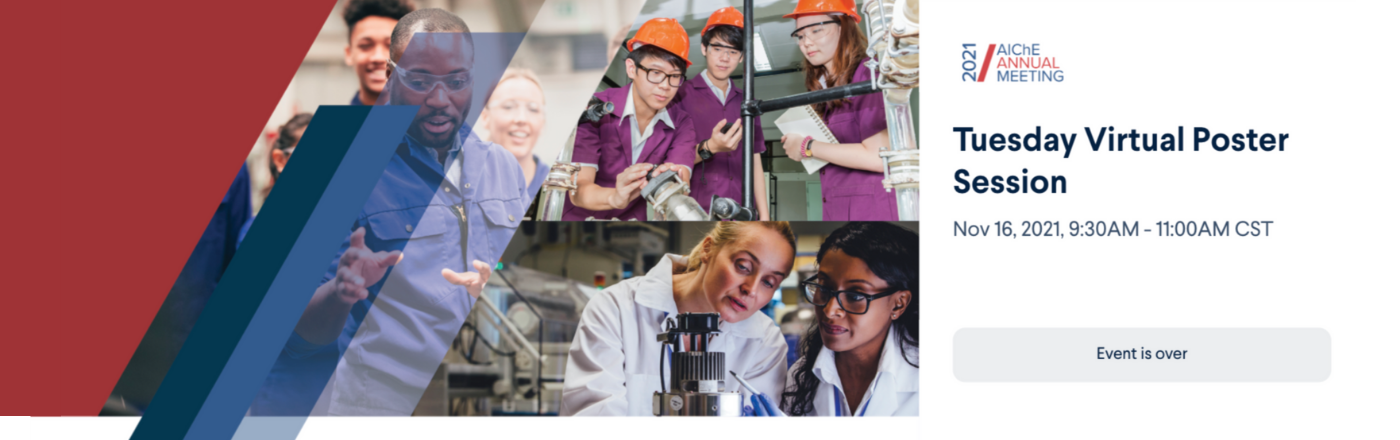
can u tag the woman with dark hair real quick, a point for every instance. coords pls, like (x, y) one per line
(861, 356)
(828, 34)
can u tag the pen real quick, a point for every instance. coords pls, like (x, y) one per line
(744, 384)
(754, 392)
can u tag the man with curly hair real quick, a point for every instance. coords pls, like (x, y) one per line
(369, 23)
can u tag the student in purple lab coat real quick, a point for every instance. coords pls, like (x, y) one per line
(833, 47)
(644, 130)
(712, 101)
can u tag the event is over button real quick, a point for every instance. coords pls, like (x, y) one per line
(1142, 355)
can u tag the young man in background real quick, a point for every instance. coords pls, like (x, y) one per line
(369, 23)
(713, 101)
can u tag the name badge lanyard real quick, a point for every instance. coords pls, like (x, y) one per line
(836, 403)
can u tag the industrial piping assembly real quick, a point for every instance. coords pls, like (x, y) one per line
(894, 65)
(562, 180)
(669, 197)
(893, 27)
(666, 194)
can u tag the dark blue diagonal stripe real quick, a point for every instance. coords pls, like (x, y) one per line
(274, 273)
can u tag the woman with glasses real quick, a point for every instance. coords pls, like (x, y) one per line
(861, 356)
(514, 119)
(833, 49)
(615, 363)
(643, 137)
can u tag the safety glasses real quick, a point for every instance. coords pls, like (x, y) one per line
(855, 303)
(727, 52)
(816, 31)
(424, 82)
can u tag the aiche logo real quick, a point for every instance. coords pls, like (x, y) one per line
(1010, 63)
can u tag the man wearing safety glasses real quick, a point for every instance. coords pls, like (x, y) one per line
(714, 107)
(643, 132)
(421, 249)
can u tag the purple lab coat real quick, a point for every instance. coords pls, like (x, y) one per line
(609, 145)
(722, 174)
(849, 194)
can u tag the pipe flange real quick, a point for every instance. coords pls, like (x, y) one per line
(896, 155)
(562, 176)
(657, 189)
(901, 169)
(899, 181)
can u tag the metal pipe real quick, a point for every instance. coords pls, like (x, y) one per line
(562, 179)
(520, 338)
(768, 73)
(669, 198)
(539, 329)
(816, 96)
(748, 112)
(558, 184)
(902, 159)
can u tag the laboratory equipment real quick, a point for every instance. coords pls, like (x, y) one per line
(512, 350)
(697, 374)
(893, 27)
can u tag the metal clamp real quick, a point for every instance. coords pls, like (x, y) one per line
(657, 190)
(563, 176)
(901, 169)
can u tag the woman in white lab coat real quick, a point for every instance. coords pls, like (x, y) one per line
(614, 361)
(861, 357)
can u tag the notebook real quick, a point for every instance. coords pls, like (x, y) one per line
(805, 121)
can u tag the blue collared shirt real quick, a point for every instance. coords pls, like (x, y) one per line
(541, 171)
(394, 340)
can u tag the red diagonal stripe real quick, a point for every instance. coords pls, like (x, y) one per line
(986, 62)
(127, 125)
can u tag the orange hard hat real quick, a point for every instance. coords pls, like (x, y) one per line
(726, 15)
(805, 7)
(665, 33)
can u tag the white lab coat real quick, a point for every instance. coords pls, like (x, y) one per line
(894, 392)
(614, 361)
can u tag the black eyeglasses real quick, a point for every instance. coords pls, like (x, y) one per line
(855, 303)
(656, 76)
